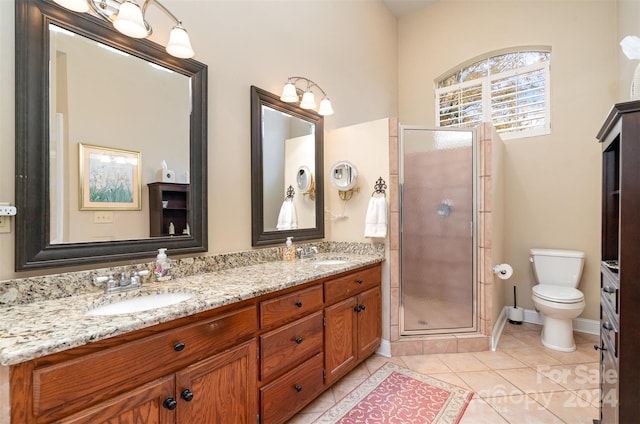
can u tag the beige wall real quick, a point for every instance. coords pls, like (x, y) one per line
(348, 47)
(551, 183)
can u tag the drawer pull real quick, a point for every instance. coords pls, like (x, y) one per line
(359, 281)
(607, 325)
(178, 347)
(170, 403)
(298, 304)
(596, 347)
(608, 289)
(362, 307)
(187, 395)
(356, 309)
(298, 340)
(298, 388)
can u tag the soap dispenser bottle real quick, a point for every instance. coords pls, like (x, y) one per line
(162, 270)
(289, 252)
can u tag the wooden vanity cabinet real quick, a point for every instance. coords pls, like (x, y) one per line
(353, 325)
(146, 377)
(264, 358)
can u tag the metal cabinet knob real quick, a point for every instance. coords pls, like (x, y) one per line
(299, 304)
(298, 388)
(179, 346)
(298, 340)
(187, 395)
(170, 403)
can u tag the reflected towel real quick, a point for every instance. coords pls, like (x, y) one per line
(287, 218)
(375, 222)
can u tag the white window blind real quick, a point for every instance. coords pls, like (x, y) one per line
(516, 101)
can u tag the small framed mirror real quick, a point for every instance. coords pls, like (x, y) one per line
(343, 175)
(304, 178)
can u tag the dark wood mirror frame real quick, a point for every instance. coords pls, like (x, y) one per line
(260, 237)
(33, 249)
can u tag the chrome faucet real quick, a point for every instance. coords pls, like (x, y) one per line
(306, 253)
(124, 284)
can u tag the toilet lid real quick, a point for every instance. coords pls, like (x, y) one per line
(558, 294)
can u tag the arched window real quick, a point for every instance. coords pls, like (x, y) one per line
(509, 88)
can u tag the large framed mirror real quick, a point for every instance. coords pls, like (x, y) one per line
(85, 92)
(284, 140)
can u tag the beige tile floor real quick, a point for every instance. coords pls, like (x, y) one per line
(522, 382)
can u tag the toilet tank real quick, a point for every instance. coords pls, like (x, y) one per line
(557, 267)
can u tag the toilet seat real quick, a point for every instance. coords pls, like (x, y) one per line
(558, 294)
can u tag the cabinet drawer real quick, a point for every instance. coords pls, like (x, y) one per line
(290, 306)
(281, 399)
(290, 345)
(65, 386)
(609, 331)
(610, 292)
(351, 284)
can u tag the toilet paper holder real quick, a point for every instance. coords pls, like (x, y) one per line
(503, 271)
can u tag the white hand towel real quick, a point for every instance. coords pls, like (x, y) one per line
(287, 218)
(381, 222)
(375, 225)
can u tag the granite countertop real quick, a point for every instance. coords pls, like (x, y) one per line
(33, 330)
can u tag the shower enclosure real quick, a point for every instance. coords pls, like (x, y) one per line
(438, 278)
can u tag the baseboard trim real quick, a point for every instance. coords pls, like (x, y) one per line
(385, 348)
(498, 328)
(581, 325)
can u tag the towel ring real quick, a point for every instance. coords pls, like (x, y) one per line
(379, 187)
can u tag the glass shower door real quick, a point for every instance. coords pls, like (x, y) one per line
(438, 281)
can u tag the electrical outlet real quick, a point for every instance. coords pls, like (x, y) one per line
(5, 221)
(102, 217)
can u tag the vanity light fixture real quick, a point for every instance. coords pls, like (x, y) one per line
(291, 94)
(128, 18)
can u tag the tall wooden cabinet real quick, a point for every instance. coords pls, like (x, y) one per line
(168, 204)
(620, 267)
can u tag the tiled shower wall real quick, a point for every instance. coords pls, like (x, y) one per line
(468, 342)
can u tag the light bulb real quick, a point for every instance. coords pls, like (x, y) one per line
(308, 101)
(76, 5)
(130, 21)
(289, 93)
(179, 44)
(325, 107)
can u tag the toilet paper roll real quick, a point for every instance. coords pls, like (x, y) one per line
(503, 271)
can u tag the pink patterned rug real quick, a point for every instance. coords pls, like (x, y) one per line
(394, 394)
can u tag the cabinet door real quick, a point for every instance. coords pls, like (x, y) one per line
(143, 405)
(221, 389)
(369, 322)
(339, 339)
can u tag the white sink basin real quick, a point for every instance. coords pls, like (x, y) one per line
(140, 303)
(330, 261)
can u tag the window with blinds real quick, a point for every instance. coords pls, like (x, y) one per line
(511, 90)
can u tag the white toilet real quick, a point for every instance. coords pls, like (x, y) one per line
(558, 273)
